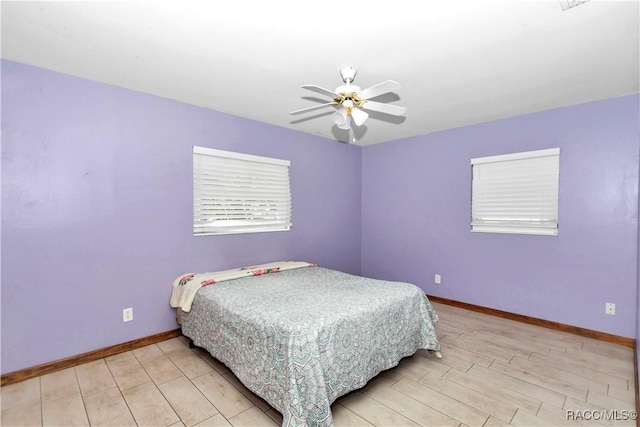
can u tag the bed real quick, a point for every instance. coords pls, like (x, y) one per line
(299, 335)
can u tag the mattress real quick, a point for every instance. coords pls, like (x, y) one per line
(304, 337)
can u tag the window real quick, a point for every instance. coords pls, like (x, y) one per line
(516, 193)
(239, 193)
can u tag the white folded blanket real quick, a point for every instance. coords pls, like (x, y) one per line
(185, 287)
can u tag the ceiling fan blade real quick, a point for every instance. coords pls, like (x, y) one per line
(321, 90)
(394, 110)
(315, 107)
(359, 116)
(379, 89)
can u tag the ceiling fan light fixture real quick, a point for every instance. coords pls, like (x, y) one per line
(346, 125)
(340, 117)
(359, 116)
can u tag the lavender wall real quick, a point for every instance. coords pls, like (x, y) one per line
(96, 213)
(416, 210)
(97, 209)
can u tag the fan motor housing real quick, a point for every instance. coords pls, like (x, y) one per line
(348, 89)
(348, 74)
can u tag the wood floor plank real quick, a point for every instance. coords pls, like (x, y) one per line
(597, 361)
(441, 402)
(451, 361)
(173, 347)
(375, 412)
(190, 364)
(188, 402)
(29, 415)
(480, 401)
(470, 356)
(24, 393)
(579, 369)
(413, 409)
(275, 416)
(499, 392)
(59, 384)
(216, 421)
(621, 393)
(469, 343)
(108, 408)
(343, 417)
(608, 402)
(546, 339)
(517, 384)
(558, 340)
(252, 417)
(541, 380)
(224, 396)
(148, 352)
(443, 330)
(65, 411)
(494, 422)
(254, 398)
(161, 369)
(148, 405)
(524, 419)
(578, 381)
(126, 370)
(214, 363)
(416, 367)
(94, 377)
(559, 416)
(463, 323)
(523, 347)
(608, 349)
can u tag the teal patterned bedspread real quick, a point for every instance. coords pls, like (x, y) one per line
(302, 338)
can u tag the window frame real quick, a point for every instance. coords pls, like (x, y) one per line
(274, 215)
(547, 222)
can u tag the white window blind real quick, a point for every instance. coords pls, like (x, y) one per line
(239, 193)
(516, 193)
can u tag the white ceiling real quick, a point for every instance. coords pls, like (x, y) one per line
(459, 61)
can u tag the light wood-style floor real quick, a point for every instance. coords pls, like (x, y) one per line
(494, 372)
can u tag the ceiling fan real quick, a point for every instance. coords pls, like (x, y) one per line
(350, 101)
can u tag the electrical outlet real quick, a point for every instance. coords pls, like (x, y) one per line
(127, 314)
(438, 279)
(610, 309)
